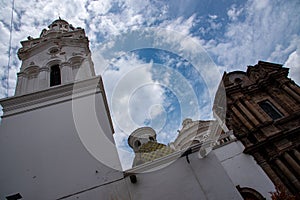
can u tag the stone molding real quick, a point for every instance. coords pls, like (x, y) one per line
(23, 103)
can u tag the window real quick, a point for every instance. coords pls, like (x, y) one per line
(237, 80)
(137, 143)
(270, 109)
(55, 75)
(14, 197)
(54, 50)
(250, 193)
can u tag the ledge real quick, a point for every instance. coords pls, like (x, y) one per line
(165, 160)
(23, 103)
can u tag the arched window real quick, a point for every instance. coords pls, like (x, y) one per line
(55, 78)
(194, 142)
(137, 143)
(250, 193)
(270, 109)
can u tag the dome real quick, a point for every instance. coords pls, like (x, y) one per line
(150, 151)
(140, 136)
(60, 21)
(58, 25)
(186, 121)
(146, 148)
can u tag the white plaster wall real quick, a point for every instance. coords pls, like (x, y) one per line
(203, 179)
(199, 179)
(117, 190)
(43, 157)
(243, 169)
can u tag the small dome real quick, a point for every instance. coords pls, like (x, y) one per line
(186, 121)
(143, 135)
(60, 21)
(146, 148)
(58, 25)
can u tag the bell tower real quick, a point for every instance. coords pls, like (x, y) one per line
(54, 58)
(56, 133)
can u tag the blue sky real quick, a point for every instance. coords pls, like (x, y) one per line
(161, 60)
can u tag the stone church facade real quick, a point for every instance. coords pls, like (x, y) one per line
(263, 110)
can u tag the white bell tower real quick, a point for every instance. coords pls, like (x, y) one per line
(54, 58)
(56, 133)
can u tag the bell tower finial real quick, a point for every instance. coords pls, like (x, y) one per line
(58, 13)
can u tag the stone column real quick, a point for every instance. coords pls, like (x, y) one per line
(292, 162)
(242, 118)
(268, 170)
(297, 154)
(295, 88)
(288, 174)
(36, 82)
(66, 73)
(291, 92)
(44, 77)
(21, 83)
(284, 99)
(254, 108)
(248, 114)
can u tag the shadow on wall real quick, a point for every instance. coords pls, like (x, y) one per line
(1, 113)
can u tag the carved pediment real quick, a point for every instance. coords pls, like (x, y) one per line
(189, 125)
(256, 73)
(262, 70)
(237, 78)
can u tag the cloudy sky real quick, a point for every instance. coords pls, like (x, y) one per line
(161, 60)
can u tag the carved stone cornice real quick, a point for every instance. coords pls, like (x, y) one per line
(33, 47)
(272, 140)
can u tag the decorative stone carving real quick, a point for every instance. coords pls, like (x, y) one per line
(59, 43)
(268, 136)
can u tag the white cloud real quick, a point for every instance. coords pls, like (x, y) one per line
(267, 32)
(181, 25)
(3, 58)
(99, 7)
(133, 97)
(125, 153)
(293, 62)
(261, 4)
(131, 92)
(234, 12)
(213, 16)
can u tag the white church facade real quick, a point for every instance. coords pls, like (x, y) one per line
(56, 138)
